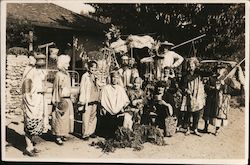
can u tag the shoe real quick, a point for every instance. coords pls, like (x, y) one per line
(197, 133)
(85, 138)
(204, 130)
(64, 139)
(187, 133)
(59, 141)
(29, 153)
(216, 133)
(36, 151)
(93, 136)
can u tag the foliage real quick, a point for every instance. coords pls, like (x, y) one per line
(224, 24)
(124, 137)
(18, 51)
(17, 32)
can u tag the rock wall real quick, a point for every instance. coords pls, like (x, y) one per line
(15, 66)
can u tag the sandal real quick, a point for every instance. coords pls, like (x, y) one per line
(29, 153)
(64, 138)
(36, 151)
(59, 141)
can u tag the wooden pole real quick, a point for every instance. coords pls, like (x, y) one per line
(30, 40)
(196, 38)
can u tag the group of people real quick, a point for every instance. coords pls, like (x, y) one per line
(127, 99)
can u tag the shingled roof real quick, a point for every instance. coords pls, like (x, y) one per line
(51, 15)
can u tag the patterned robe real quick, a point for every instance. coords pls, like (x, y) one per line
(34, 104)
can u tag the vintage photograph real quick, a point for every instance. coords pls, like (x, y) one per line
(125, 82)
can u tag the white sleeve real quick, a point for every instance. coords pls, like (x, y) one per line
(179, 60)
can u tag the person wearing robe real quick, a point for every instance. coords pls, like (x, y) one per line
(166, 59)
(219, 90)
(33, 104)
(113, 101)
(89, 97)
(62, 115)
(194, 96)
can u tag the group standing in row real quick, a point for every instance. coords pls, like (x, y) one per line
(127, 99)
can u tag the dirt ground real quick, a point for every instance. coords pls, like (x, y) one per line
(229, 144)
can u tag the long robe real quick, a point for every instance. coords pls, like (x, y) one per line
(194, 101)
(34, 105)
(218, 101)
(62, 123)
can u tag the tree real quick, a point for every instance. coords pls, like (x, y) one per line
(224, 24)
(17, 32)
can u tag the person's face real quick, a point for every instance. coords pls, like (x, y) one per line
(192, 66)
(125, 61)
(137, 84)
(66, 65)
(166, 48)
(160, 90)
(114, 80)
(131, 62)
(93, 69)
(166, 72)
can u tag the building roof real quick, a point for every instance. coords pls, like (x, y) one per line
(51, 15)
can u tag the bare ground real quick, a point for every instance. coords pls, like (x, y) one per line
(229, 144)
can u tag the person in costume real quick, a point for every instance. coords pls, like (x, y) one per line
(166, 58)
(113, 101)
(62, 115)
(193, 96)
(219, 90)
(33, 104)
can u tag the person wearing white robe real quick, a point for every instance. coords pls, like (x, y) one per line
(113, 101)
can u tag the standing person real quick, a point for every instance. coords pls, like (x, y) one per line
(218, 100)
(194, 95)
(113, 101)
(125, 72)
(89, 96)
(33, 104)
(167, 58)
(62, 115)
(134, 70)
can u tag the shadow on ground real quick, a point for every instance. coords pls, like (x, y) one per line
(15, 139)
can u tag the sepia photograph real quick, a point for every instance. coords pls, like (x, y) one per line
(125, 81)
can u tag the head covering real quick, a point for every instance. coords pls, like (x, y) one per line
(32, 60)
(62, 59)
(124, 57)
(166, 44)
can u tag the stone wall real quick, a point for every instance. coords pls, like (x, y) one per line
(15, 66)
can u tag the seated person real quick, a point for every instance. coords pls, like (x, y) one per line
(113, 101)
(163, 104)
(137, 99)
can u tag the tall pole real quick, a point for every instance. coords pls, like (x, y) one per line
(196, 38)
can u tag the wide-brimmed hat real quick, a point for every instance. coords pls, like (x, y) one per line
(166, 44)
